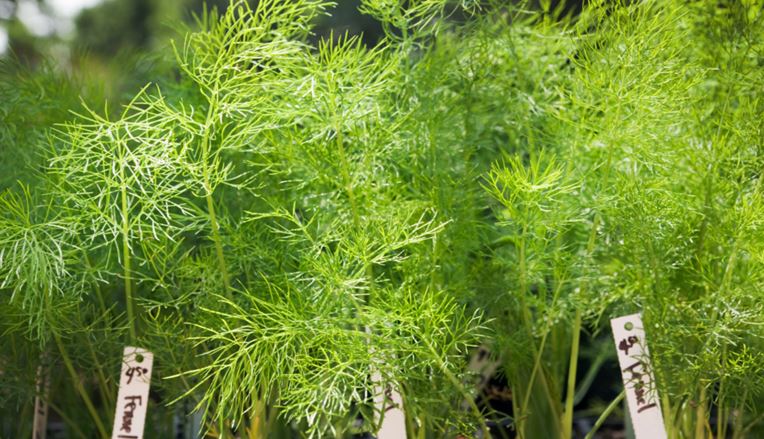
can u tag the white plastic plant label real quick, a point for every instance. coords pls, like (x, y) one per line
(638, 379)
(40, 422)
(390, 405)
(133, 396)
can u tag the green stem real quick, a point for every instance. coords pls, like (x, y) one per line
(737, 422)
(526, 321)
(207, 186)
(567, 423)
(501, 242)
(603, 417)
(258, 419)
(69, 422)
(422, 432)
(751, 424)
(721, 410)
(104, 389)
(532, 380)
(700, 414)
(519, 414)
(96, 286)
(525, 318)
(80, 388)
(670, 415)
(591, 375)
(347, 183)
(462, 390)
(347, 186)
(347, 180)
(217, 240)
(126, 261)
(526, 315)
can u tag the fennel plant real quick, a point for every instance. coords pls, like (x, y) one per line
(285, 217)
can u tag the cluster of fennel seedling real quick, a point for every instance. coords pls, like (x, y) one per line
(294, 226)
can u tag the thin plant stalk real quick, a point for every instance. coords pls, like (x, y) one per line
(126, 257)
(216, 239)
(106, 391)
(96, 286)
(567, 422)
(470, 400)
(80, 388)
(67, 420)
(537, 351)
(744, 431)
(605, 414)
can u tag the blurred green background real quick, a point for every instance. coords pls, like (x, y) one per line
(118, 41)
(101, 36)
(102, 28)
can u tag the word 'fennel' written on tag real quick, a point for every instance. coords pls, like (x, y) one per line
(132, 400)
(638, 380)
(390, 405)
(40, 422)
(638, 375)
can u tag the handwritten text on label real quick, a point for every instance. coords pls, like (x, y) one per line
(133, 397)
(40, 423)
(641, 394)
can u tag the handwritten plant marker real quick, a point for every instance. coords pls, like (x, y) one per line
(133, 396)
(389, 403)
(638, 379)
(40, 422)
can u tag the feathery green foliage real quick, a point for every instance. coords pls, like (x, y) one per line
(296, 227)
